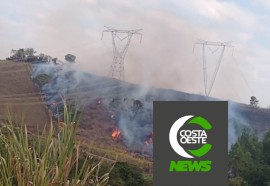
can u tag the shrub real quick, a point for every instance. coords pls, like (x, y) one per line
(42, 79)
(124, 174)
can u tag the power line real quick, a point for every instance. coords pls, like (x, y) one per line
(222, 45)
(75, 47)
(243, 76)
(117, 67)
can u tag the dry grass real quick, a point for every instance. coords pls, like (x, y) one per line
(19, 94)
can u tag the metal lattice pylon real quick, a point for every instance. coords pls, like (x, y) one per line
(117, 68)
(223, 45)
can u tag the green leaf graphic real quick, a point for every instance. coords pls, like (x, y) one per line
(201, 151)
(202, 122)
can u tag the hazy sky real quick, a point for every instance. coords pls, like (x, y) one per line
(165, 57)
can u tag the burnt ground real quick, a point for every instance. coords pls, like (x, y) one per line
(20, 97)
(97, 125)
(85, 89)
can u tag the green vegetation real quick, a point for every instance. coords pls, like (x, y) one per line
(124, 174)
(110, 157)
(115, 155)
(249, 160)
(50, 158)
(28, 55)
(54, 157)
(42, 79)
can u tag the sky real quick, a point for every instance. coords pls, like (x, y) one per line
(167, 56)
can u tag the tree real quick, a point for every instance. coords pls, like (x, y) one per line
(28, 55)
(17, 54)
(54, 60)
(30, 52)
(249, 160)
(137, 108)
(70, 58)
(237, 181)
(254, 101)
(266, 147)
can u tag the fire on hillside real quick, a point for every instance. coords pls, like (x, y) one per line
(125, 118)
(149, 141)
(116, 134)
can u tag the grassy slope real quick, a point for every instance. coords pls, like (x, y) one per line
(22, 97)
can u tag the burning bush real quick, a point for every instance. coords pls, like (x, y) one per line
(132, 125)
(116, 134)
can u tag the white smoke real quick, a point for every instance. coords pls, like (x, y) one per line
(84, 88)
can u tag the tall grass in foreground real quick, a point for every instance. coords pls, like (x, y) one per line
(51, 158)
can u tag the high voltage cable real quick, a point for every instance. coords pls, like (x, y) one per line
(243, 76)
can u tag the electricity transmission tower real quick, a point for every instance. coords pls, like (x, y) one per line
(117, 67)
(218, 45)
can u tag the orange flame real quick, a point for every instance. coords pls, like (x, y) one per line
(150, 140)
(116, 134)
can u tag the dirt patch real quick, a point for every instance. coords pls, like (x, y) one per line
(20, 97)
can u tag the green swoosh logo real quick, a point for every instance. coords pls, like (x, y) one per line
(201, 151)
(205, 125)
(202, 122)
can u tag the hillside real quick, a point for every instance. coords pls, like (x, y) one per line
(22, 97)
(116, 118)
(19, 96)
(108, 104)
